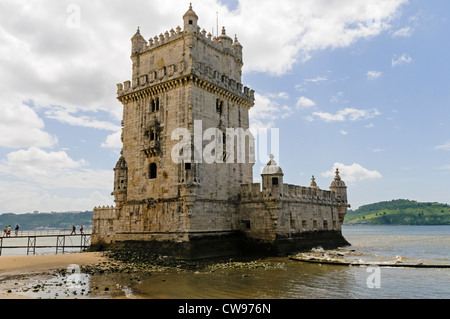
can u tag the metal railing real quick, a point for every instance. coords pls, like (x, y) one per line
(60, 236)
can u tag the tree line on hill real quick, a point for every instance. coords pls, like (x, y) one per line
(46, 220)
(400, 212)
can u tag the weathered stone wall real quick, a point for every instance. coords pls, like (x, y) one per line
(190, 80)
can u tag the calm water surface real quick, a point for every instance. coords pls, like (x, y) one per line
(297, 280)
(294, 280)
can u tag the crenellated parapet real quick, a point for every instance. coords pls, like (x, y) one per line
(199, 57)
(173, 76)
(105, 212)
(293, 193)
(222, 43)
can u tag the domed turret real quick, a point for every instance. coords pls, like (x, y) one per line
(338, 186)
(237, 49)
(225, 40)
(138, 42)
(272, 178)
(120, 182)
(190, 20)
(272, 167)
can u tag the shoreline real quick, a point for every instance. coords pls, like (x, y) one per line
(34, 265)
(23, 265)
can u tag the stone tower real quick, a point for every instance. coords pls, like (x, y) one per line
(186, 85)
(183, 185)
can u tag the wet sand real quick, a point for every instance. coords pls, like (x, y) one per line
(11, 266)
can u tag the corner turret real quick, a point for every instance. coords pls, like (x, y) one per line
(120, 182)
(138, 43)
(237, 49)
(190, 20)
(338, 187)
(272, 178)
(340, 190)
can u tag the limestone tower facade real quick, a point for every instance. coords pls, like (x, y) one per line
(183, 184)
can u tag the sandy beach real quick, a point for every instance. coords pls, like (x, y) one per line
(11, 266)
(19, 265)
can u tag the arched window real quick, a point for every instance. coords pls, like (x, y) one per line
(154, 104)
(153, 171)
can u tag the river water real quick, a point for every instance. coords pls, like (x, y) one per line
(282, 278)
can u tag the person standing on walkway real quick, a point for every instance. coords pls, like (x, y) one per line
(17, 229)
(5, 231)
(73, 230)
(8, 234)
(81, 229)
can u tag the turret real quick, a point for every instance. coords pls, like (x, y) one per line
(190, 20)
(138, 43)
(237, 49)
(272, 179)
(338, 187)
(120, 182)
(225, 40)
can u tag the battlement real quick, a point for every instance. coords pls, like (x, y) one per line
(177, 57)
(105, 212)
(252, 192)
(222, 43)
(176, 72)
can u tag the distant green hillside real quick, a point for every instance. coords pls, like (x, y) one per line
(53, 220)
(400, 212)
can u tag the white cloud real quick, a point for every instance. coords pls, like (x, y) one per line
(347, 114)
(403, 32)
(54, 170)
(304, 102)
(266, 110)
(338, 98)
(20, 126)
(373, 75)
(317, 79)
(65, 116)
(402, 60)
(343, 132)
(113, 140)
(352, 173)
(77, 68)
(443, 147)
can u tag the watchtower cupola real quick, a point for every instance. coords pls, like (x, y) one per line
(190, 20)
(138, 43)
(338, 186)
(272, 178)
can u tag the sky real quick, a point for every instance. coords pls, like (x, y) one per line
(362, 86)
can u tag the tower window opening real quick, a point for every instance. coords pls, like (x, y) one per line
(219, 106)
(155, 105)
(274, 180)
(187, 166)
(153, 171)
(191, 22)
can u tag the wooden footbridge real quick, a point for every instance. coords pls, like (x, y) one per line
(60, 240)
